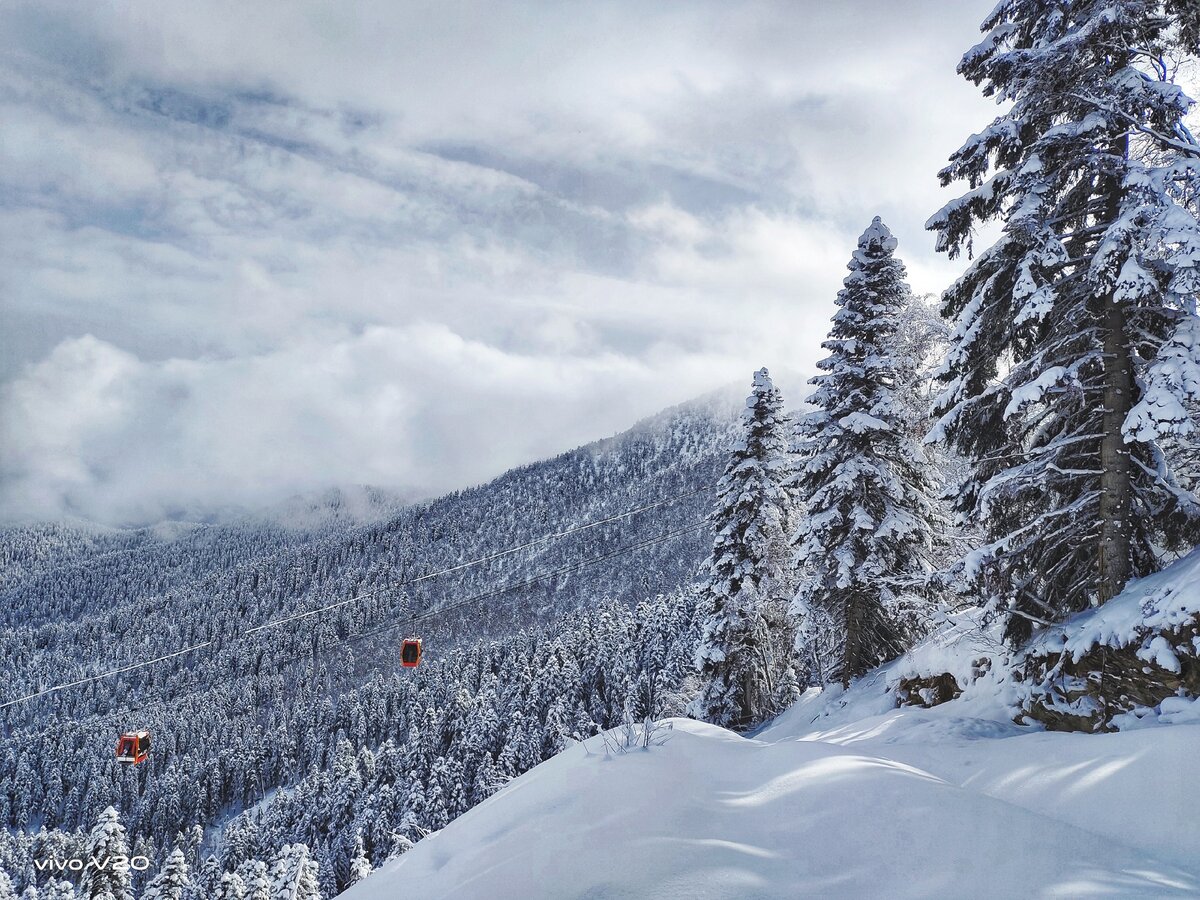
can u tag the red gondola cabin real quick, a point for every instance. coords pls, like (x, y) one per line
(133, 747)
(410, 653)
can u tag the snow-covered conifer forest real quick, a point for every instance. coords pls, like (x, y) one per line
(928, 628)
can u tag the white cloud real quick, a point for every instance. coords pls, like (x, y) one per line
(98, 433)
(230, 231)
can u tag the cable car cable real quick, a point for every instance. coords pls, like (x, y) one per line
(474, 562)
(649, 542)
(306, 654)
(354, 638)
(468, 564)
(275, 623)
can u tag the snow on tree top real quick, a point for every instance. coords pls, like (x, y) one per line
(762, 386)
(878, 237)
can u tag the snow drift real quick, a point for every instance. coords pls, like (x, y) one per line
(914, 803)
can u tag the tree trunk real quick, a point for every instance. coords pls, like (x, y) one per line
(1116, 483)
(852, 662)
(746, 712)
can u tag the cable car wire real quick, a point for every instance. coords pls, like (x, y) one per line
(103, 675)
(294, 551)
(275, 623)
(420, 617)
(479, 561)
(565, 570)
(98, 719)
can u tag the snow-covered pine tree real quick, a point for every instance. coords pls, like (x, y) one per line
(191, 840)
(863, 547)
(294, 875)
(171, 882)
(205, 880)
(1063, 367)
(109, 875)
(736, 657)
(58, 890)
(255, 876)
(360, 866)
(917, 347)
(230, 887)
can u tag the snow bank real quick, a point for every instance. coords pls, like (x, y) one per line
(1129, 787)
(713, 815)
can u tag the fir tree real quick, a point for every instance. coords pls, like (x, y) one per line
(230, 887)
(109, 878)
(360, 866)
(171, 882)
(257, 879)
(747, 569)
(191, 840)
(864, 543)
(204, 882)
(1064, 368)
(294, 875)
(488, 779)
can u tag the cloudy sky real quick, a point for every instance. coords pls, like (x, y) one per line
(254, 249)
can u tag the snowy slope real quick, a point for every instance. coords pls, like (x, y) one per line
(1129, 787)
(846, 795)
(896, 808)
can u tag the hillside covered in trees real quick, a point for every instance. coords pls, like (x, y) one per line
(943, 606)
(536, 646)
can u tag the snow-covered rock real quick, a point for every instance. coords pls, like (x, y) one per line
(1124, 664)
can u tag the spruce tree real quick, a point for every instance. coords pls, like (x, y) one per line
(255, 876)
(863, 545)
(110, 878)
(360, 866)
(1059, 378)
(171, 882)
(294, 875)
(205, 880)
(748, 568)
(230, 887)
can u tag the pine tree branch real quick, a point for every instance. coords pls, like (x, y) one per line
(1182, 146)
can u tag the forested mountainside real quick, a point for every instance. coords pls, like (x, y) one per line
(39, 555)
(317, 712)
